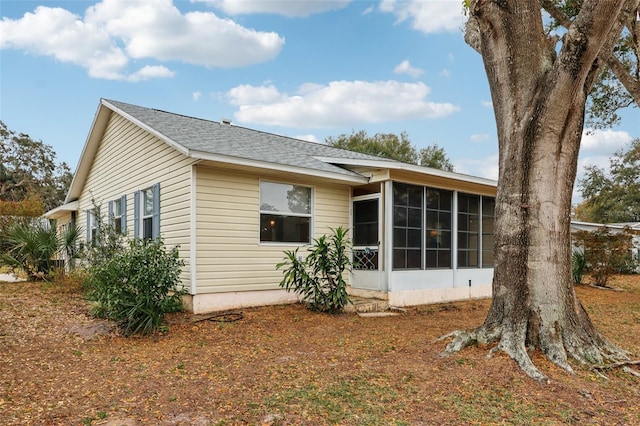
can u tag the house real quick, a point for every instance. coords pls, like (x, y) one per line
(234, 199)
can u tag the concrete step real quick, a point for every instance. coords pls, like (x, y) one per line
(366, 305)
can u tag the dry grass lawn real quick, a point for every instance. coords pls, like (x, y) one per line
(284, 365)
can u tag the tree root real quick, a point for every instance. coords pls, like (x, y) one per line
(512, 343)
(624, 364)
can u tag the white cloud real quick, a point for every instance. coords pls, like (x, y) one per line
(405, 67)
(428, 16)
(369, 10)
(486, 167)
(148, 72)
(197, 96)
(603, 141)
(340, 103)
(479, 137)
(445, 73)
(486, 104)
(113, 32)
(295, 8)
(310, 138)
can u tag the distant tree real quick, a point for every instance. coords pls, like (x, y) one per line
(385, 145)
(435, 157)
(28, 166)
(615, 196)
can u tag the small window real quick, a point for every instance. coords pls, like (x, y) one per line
(285, 213)
(147, 212)
(92, 228)
(118, 214)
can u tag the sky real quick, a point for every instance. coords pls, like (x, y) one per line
(302, 68)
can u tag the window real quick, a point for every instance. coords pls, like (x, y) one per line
(468, 229)
(147, 212)
(92, 228)
(407, 226)
(438, 228)
(118, 214)
(285, 213)
(488, 214)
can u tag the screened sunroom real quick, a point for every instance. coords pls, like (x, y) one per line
(423, 239)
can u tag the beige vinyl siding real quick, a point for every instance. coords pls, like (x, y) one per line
(130, 159)
(230, 256)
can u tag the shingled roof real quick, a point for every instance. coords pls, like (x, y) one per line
(226, 143)
(198, 136)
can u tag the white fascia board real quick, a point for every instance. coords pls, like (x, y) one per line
(398, 165)
(180, 148)
(200, 155)
(58, 211)
(588, 226)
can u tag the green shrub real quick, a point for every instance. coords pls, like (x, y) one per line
(137, 286)
(578, 266)
(318, 279)
(30, 247)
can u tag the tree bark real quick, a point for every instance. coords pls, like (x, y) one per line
(539, 101)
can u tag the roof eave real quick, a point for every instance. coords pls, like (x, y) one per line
(352, 178)
(62, 210)
(100, 121)
(397, 165)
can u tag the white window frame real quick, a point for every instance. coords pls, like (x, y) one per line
(140, 215)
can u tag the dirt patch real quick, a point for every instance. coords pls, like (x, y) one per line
(284, 365)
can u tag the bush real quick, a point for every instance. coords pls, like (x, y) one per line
(30, 247)
(137, 286)
(606, 253)
(318, 279)
(578, 266)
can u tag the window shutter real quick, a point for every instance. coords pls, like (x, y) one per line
(88, 226)
(155, 232)
(136, 214)
(111, 213)
(123, 219)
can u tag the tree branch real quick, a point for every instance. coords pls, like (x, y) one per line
(606, 56)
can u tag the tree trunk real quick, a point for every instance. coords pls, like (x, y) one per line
(539, 101)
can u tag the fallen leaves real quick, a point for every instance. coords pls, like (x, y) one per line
(286, 365)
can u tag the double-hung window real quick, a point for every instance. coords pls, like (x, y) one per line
(285, 213)
(147, 212)
(92, 227)
(118, 214)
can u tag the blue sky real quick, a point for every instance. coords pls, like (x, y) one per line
(308, 69)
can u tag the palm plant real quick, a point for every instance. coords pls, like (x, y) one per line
(31, 248)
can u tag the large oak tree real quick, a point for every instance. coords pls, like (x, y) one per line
(539, 87)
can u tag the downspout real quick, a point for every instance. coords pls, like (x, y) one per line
(193, 258)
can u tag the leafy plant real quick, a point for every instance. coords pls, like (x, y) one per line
(31, 247)
(319, 278)
(578, 266)
(605, 252)
(137, 286)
